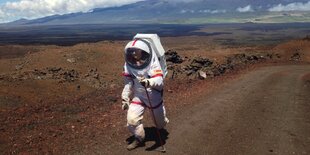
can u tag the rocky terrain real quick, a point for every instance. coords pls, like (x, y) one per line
(66, 99)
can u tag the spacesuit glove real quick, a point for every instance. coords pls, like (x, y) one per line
(145, 83)
(125, 104)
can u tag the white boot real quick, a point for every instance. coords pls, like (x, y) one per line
(136, 143)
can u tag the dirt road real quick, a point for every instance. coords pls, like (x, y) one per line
(264, 112)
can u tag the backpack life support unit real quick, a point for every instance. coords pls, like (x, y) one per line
(155, 44)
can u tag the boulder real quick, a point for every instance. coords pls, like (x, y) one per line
(53, 69)
(307, 38)
(201, 62)
(202, 74)
(172, 56)
(71, 60)
(295, 57)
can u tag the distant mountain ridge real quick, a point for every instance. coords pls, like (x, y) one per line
(161, 11)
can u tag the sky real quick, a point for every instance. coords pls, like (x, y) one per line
(11, 10)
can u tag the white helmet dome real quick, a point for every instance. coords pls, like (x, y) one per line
(138, 54)
(139, 44)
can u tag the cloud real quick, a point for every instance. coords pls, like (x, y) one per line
(3, 15)
(245, 9)
(187, 11)
(213, 11)
(203, 11)
(183, 1)
(297, 6)
(39, 8)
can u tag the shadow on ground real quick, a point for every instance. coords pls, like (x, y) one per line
(151, 136)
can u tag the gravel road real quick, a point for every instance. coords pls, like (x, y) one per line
(266, 111)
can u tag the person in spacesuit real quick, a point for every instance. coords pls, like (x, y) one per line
(143, 77)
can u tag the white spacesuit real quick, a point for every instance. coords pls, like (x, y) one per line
(142, 70)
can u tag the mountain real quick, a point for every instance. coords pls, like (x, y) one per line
(20, 21)
(171, 11)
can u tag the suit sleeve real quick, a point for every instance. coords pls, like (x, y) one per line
(156, 77)
(128, 80)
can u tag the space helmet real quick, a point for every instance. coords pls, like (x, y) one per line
(138, 54)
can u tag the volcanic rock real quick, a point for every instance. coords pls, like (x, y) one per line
(202, 74)
(295, 57)
(172, 56)
(71, 60)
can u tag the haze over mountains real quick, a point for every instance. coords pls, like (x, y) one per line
(185, 11)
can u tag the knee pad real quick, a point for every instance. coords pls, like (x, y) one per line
(133, 120)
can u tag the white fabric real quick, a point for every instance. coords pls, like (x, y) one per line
(132, 85)
(138, 131)
(135, 116)
(136, 92)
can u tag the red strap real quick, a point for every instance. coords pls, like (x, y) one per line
(126, 74)
(157, 75)
(136, 102)
(140, 103)
(134, 42)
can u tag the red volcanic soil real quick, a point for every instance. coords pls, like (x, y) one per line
(66, 100)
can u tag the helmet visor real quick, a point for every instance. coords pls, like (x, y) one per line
(137, 58)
